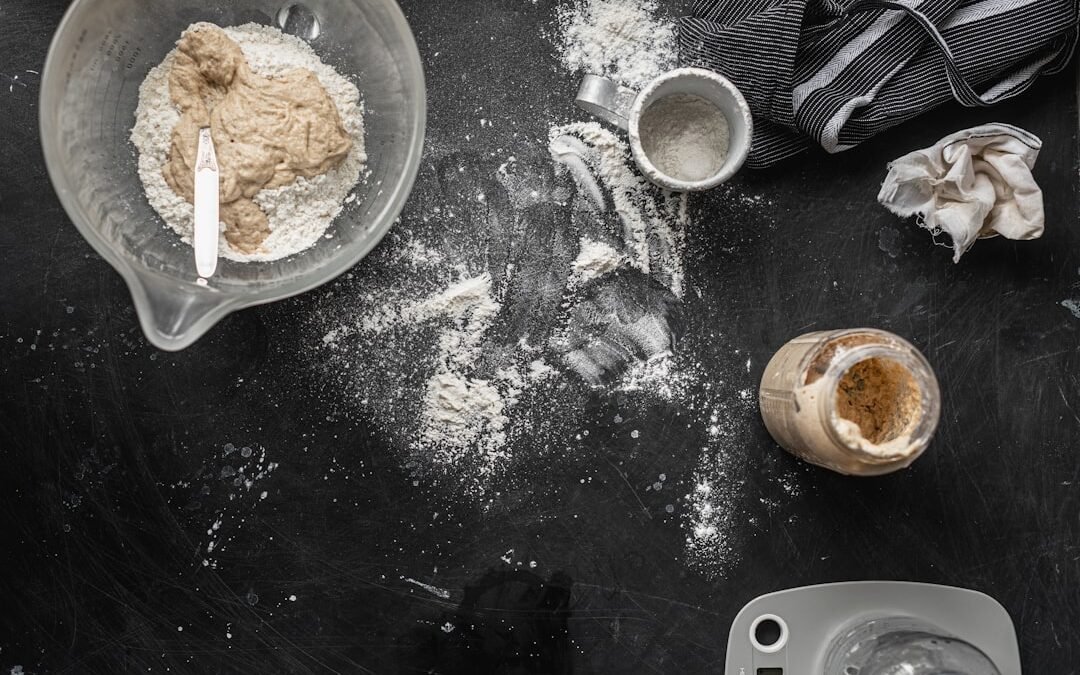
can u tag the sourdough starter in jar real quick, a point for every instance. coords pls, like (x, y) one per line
(862, 401)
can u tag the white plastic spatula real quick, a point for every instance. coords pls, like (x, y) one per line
(206, 206)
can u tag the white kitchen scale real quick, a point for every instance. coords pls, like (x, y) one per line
(873, 628)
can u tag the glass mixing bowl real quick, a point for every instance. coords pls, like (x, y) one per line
(90, 86)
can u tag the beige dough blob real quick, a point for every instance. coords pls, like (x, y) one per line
(266, 132)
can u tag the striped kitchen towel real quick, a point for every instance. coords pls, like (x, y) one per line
(836, 72)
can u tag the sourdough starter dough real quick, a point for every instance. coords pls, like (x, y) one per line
(288, 131)
(266, 131)
(881, 398)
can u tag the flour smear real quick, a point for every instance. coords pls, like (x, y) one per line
(531, 289)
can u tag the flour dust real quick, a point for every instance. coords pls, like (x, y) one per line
(527, 291)
(623, 40)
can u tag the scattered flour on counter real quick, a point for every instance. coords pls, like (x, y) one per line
(299, 213)
(714, 516)
(710, 518)
(484, 353)
(659, 375)
(461, 411)
(618, 330)
(539, 370)
(620, 39)
(227, 480)
(654, 220)
(624, 41)
(463, 417)
(595, 260)
(415, 254)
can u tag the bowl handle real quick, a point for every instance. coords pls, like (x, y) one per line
(175, 314)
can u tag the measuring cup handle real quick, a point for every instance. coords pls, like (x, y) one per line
(606, 99)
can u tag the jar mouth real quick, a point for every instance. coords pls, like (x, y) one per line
(882, 402)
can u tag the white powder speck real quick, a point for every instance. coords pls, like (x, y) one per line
(595, 259)
(434, 590)
(300, 213)
(461, 411)
(539, 369)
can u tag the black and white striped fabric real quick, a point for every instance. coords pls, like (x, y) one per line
(839, 71)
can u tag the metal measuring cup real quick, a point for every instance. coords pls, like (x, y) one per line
(623, 107)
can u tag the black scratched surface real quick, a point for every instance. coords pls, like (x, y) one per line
(114, 463)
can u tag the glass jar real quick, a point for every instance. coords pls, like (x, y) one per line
(861, 401)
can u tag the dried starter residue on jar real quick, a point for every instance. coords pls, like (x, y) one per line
(831, 351)
(881, 397)
(857, 401)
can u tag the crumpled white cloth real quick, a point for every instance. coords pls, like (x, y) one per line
(973, 184)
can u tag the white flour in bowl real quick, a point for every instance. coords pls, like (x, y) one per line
(300, 213)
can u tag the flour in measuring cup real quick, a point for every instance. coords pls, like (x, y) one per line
(685, 137)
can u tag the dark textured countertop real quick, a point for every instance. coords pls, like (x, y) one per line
(118, 461)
